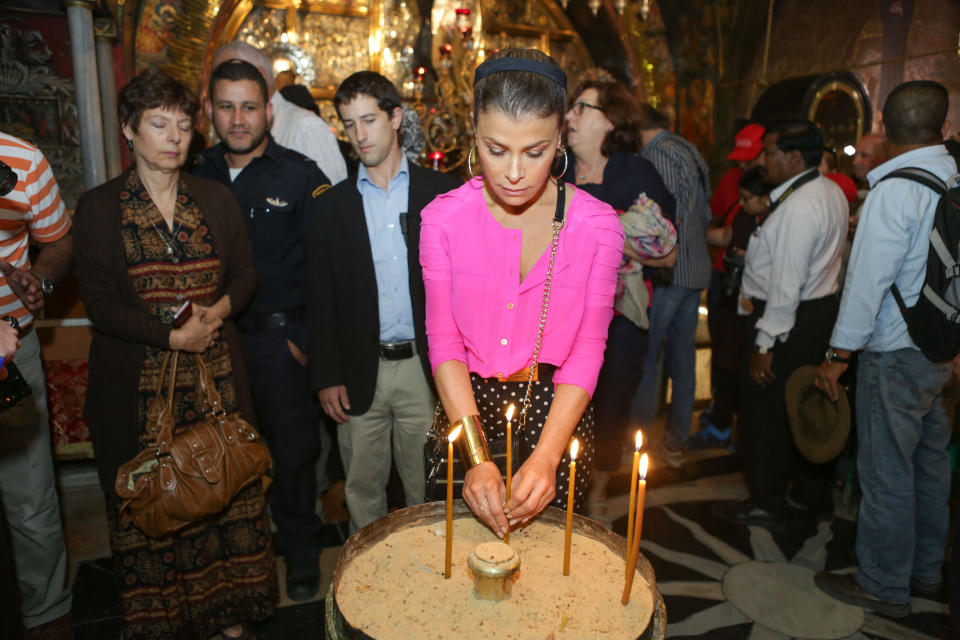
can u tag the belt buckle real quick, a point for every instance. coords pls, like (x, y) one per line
(522, 375)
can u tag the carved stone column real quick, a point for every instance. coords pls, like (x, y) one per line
(80, 19)
(105, 34)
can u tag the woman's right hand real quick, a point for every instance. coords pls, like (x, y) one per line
(484, 492)
(197, 334)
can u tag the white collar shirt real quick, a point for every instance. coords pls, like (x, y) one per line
(307, 133)
(796, 254)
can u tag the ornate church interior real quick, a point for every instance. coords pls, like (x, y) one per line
(710, 68)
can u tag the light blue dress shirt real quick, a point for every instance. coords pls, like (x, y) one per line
(890, 246)
(382, 210)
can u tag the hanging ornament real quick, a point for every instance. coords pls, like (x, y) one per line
(620, 5)
(594, 6)
(644, 9)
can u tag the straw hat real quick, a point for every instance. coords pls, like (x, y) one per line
(820, 427)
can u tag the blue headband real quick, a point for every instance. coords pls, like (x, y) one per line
(545, 69)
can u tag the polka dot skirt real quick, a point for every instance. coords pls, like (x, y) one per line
(493, 397)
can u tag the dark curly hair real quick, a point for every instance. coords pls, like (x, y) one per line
(620, 109)
(154, 89)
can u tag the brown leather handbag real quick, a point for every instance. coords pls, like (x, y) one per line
(192, 475)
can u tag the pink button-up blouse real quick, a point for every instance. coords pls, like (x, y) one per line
(480, 313)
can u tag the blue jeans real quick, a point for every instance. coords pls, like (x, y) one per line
(904, 419)
(673, 332)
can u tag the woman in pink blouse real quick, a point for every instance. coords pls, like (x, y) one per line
(486, 251)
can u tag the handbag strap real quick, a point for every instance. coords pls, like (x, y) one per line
(162, 417)
(207, 389)
(545, 305)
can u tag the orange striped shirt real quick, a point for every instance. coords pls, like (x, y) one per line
(32, 210)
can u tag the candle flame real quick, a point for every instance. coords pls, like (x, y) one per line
(455, 433)
(510, 411)
(639, 439)
(644, 462)
(574, 447)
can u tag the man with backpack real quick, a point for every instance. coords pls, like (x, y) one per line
(902, 381)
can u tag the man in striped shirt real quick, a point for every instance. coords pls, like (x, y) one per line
(675, 308)
(32, 210)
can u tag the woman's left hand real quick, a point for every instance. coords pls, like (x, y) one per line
(534, 487)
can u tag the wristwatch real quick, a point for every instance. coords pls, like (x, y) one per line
(833, 356)
(46, 285)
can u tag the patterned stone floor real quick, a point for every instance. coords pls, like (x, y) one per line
(719, 581)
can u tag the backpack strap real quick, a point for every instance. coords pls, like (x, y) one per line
(931, 181)
(918, 175)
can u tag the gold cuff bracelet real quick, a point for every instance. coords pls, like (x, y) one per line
(472, 445)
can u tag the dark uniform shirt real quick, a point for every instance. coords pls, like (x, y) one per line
(278, 193)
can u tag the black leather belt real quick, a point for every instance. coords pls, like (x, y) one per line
(271, 321)
(398, 350)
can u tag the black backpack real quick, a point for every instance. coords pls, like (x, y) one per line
(934, 321)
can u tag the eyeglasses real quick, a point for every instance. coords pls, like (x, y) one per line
(579, 106)
(8, 178)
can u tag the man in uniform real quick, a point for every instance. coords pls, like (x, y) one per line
(277, 189)
(367, 330)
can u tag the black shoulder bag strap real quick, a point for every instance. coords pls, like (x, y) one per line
(929, 180)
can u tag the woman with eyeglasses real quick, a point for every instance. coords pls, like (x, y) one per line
(603, 135)
(490, 251)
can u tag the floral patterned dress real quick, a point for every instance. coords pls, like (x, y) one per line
(221, 571)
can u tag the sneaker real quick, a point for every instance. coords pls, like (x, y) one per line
(845, 588)
(673, 449)
(744, 512)
(709, 437)
(921, 588)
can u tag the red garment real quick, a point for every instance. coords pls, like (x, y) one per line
(725, 204)
(846, 183)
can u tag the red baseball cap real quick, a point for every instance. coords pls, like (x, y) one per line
(748, 143)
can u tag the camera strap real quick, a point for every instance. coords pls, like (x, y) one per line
(809, 176)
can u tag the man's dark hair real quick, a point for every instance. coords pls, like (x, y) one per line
(799, 135)
(915, 111)
(520, 94)
(652, 118)
(153, 89)
(620, 109)
(368, 83)
(236, 70)
(754, 180)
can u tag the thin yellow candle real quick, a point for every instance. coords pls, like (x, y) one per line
(568, 534)
(510, 410)
(448, 556)
(634, 549)
(633, 486)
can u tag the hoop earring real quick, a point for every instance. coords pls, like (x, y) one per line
(470, 165)
(566, 161)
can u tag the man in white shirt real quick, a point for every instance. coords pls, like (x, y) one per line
(293, 127)
(907, 408)
(790, 297)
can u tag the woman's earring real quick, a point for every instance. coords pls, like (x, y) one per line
(129, 143)
(565, 161)
(470, 165)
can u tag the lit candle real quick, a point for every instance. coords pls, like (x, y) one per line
(634, 549)
(633, 486)
(448, 557)
(568, 534)
(510, 410)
